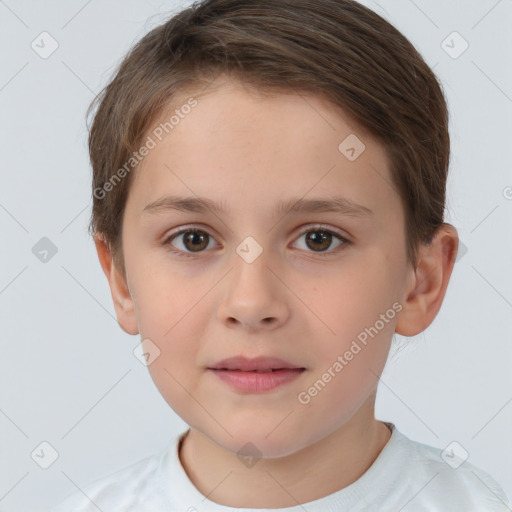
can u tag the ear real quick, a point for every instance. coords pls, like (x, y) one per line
(123, 302)
(428, 282)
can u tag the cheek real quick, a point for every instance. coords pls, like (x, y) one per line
(358, 304)
(352, 299)
(176, 331)
(162, 299)
(348, 366)
(172, 311)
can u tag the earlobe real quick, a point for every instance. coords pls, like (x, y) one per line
(426, 291)
(123, 302)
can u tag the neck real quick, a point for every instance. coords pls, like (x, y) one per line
(284, 481)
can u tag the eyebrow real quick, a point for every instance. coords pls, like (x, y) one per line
(196, 204)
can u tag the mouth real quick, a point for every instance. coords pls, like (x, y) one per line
(256, 365)
(270, 370)
(263, 374)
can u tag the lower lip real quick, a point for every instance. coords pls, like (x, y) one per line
(254, 382)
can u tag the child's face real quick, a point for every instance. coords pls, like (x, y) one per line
(303, 299)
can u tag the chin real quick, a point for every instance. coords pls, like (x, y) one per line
(256, 442)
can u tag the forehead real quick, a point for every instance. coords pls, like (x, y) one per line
(245, 149)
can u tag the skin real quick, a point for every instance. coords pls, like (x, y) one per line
(248, 152)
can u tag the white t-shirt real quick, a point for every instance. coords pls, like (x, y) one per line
(406, 476)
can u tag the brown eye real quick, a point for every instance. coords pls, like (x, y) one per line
(193, 240)
(319, 240)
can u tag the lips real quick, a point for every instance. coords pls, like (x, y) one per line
(258, 364)
(259, 375)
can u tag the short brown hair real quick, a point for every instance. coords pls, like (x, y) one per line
(337, 49)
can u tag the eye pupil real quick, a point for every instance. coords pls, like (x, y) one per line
(324, 239)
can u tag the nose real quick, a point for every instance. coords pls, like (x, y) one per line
(253, 297)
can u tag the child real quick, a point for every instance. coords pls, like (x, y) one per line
(234, 139)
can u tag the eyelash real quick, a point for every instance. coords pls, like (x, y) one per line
(322, 228)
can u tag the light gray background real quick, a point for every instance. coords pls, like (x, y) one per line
(68, 375)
